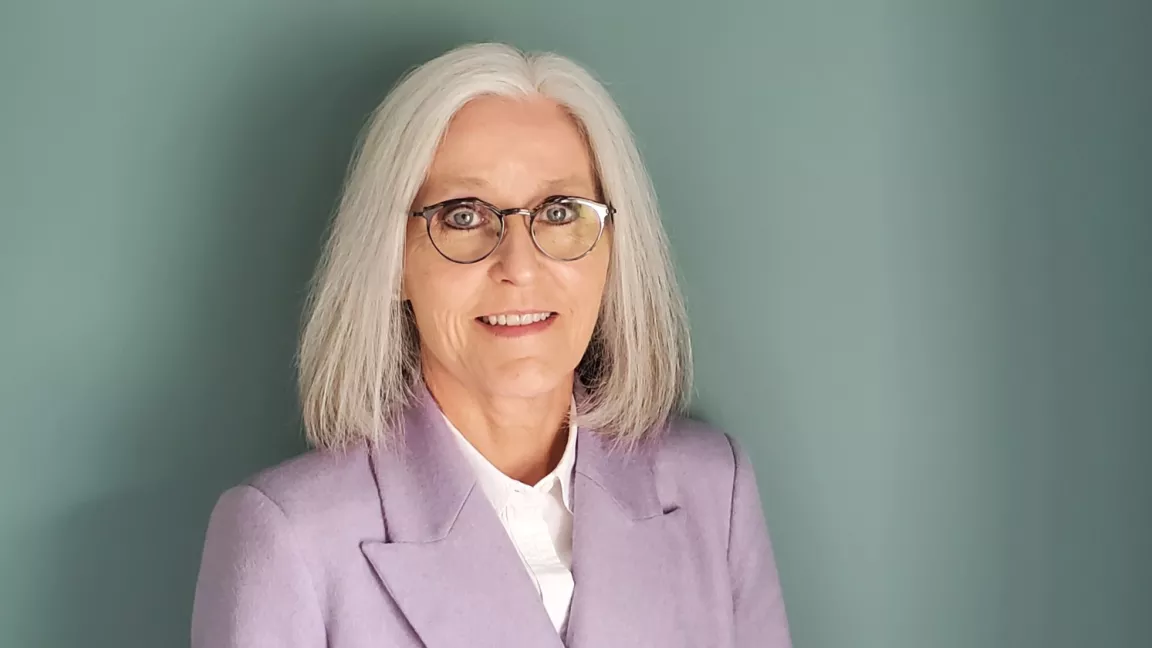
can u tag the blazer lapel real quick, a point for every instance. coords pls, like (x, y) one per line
(628, 551)
(447, 561)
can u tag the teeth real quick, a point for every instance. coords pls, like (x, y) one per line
(515, 320)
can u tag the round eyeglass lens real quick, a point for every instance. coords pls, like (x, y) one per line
(566, 229)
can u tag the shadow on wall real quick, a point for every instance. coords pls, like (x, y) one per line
(221, 403)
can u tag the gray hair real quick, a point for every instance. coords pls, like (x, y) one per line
(359, 357)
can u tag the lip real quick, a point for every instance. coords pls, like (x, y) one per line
(527, 311)
(518, 331)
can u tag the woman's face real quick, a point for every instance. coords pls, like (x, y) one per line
(512, 153)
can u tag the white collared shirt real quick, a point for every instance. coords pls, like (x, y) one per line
(537, 518)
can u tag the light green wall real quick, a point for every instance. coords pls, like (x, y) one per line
(915, 239)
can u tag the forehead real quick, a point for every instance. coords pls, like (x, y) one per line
(511, 146)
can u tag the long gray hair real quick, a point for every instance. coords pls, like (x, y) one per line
(358, 355)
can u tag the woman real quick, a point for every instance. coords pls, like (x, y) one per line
(490, 368)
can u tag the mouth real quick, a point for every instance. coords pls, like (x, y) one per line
(511, 320)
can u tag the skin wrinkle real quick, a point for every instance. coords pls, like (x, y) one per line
(509, 396)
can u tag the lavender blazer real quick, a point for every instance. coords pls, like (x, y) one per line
(399, 549)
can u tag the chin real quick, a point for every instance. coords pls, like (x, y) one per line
(526, 380)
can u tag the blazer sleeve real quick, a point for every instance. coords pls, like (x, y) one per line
(757, 600)
(254, 589)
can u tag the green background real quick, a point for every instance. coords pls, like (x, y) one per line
(915, 240)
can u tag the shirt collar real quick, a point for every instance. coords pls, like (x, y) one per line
(499, 487)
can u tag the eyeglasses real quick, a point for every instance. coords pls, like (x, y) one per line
(467, 230)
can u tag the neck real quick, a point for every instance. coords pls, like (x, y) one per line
(523, 436)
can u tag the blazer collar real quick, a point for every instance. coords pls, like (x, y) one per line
(445, 552)
(499, 487)
(446, 560)
(632, 556)
(628, 476)
(424, 480)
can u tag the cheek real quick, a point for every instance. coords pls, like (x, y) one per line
(441, 295)
(586, 287)
(438, 308)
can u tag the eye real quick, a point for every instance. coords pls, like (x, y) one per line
(463, 218)
(559, 214)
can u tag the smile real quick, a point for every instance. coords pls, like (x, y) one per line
(515, 319)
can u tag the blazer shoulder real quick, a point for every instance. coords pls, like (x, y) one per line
(698, 447)
(696, 465)
(321, 487)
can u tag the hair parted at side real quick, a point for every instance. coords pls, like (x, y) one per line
(358, 355)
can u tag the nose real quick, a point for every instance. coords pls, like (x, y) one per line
(517, 260)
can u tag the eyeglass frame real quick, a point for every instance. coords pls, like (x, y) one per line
(604, 211)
